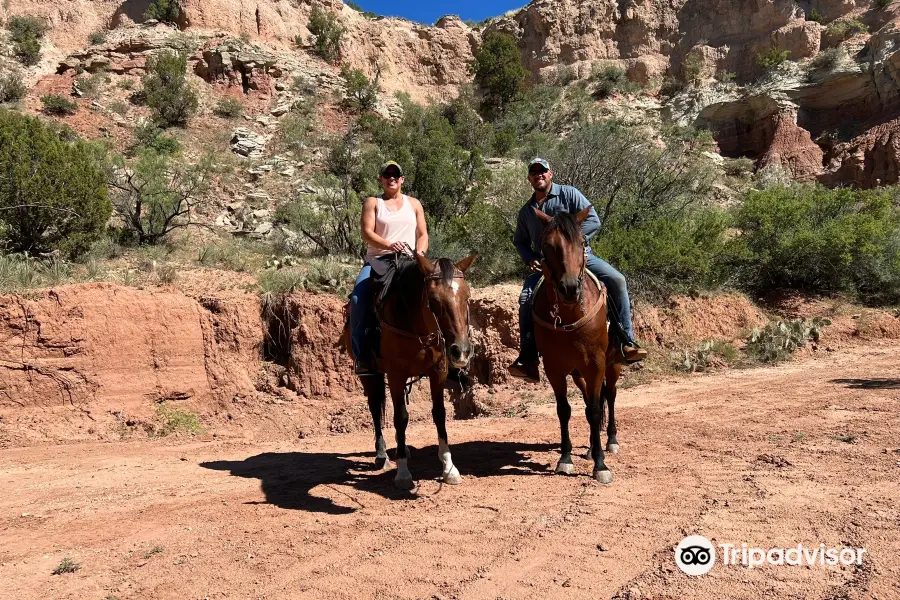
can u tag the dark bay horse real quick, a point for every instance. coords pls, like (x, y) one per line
(571, 335)
(424, 329)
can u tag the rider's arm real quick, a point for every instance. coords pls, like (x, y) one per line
(591, 225)
(421, 227)
(522, 239)
(368, 226)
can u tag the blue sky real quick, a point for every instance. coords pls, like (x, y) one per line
(427, 12)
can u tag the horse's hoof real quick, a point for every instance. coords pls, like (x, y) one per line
(382, 462)
(604, 477)
(612, 448)
(564, 468)
(404, 484)
(453, 477)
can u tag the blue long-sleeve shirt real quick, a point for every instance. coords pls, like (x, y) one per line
(561, 198)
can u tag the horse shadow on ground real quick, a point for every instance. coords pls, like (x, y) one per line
(288, 478)
(869, 384)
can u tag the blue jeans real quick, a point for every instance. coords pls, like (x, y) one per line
(360, 303)
(617, 299)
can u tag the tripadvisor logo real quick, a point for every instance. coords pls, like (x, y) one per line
(696, 555)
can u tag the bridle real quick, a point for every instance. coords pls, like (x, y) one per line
(554, 313)
(435, 339)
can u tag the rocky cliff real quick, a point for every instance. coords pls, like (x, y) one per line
(822, 116)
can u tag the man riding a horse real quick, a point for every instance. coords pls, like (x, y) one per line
(552, 198)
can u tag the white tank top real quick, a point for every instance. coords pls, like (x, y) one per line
(394, 226)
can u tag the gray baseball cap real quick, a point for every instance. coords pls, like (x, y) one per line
(538, 161)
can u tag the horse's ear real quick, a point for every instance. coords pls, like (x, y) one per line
(544, 217)
(425, 265)
(465, 263)
(583, 214)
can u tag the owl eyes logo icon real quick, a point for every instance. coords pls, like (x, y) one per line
(695, 555)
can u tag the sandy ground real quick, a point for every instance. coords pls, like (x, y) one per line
(806, 452)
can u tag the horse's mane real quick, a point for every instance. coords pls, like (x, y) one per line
(565, 224)
(407, 276)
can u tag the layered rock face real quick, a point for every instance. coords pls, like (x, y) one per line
(801, 120)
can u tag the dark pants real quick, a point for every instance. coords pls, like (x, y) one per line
(617, 298)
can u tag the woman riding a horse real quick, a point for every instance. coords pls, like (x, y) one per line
(424, 320)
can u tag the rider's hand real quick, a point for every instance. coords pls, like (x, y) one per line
(398, 247)
(535, 266)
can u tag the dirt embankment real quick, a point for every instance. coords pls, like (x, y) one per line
(96, 361)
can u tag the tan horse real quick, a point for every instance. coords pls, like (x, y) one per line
(424, 328)
(571, 335)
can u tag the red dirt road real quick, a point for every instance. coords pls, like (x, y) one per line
(807, 452)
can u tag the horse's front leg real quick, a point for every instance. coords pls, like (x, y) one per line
(375, 393)
(397, 384)
(565, 466)
(594, 413)
(449, 473)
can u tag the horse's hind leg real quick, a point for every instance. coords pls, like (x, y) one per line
(449, 472)
(609, 393)
(403, 479)
(565, 466)
(375, 393)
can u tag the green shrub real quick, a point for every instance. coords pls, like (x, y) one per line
(175, 421)
(156, 195)
(295, 130)
(166, 89)
(229, 108)
(12, 87)
(98, 37)
(19, 272)
(446, 177)
(118, 107)
(706, 356)
(882, 4)
(816, 16)
(326, 33)
(57, 105)
(739, 167)
(812, 238)
(826, 61)
(28, 51)
(66, 565)
(657, 226)
(148, 135)
(53, 192)
(499, 70)
(846, 28)
(91, 85)
(693, 68)
(779, 339)
(362, 92)
(328, 219)
(22, 27)
(164, 11)
(772, 58)
(610, 79)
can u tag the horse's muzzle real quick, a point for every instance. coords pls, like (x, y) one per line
(460, 353)
(570, 291)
